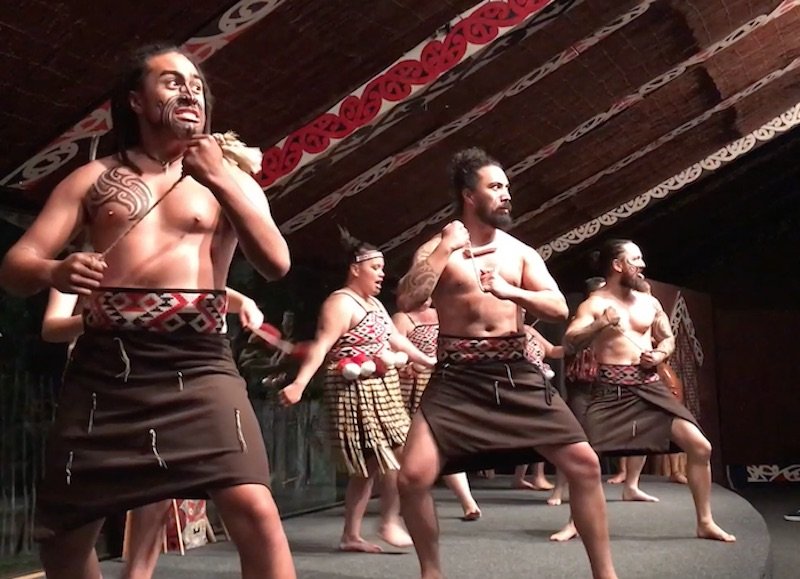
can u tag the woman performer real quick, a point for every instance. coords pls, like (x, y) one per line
(368, 419)
(421, 327)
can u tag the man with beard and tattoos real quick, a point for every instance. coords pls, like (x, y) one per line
(486, 405)
(632, 412)
(153, 406)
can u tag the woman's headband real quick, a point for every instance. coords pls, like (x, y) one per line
(368, 255)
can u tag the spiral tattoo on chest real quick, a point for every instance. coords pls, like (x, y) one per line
(123, 188)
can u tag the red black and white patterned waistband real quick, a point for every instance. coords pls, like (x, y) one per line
(625, 375)
(157, 310)
(487, 349)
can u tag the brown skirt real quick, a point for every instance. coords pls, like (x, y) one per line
(412, 385)
(146, 416)
(579, 396)
(633, 419)
(366, 417)
(494, 414)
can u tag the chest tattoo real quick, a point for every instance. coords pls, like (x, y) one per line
(122, 188)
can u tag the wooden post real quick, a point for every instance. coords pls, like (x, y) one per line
(178, 526)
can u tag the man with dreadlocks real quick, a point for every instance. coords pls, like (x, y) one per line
(487, 405)
(153, 406)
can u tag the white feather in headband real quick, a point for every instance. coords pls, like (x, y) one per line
(248, 159)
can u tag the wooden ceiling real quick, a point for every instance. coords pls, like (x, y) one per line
(602, 111)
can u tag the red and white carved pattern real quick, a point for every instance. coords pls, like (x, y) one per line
(157, 311)
(489, 349)
(231, 24)
(419, 102)
(394, 162)
(779, 125)
(600, 119)
(417, 69)
(369, 337)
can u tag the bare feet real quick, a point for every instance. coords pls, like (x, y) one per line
(617, 479)
(629, 494)
(522, 484)
(714, 532)
(554, 500)
(358, 545)
(542, 484)
(395, 535)
(488, 474)
(679, 478)
(472, 514)
(565, 534)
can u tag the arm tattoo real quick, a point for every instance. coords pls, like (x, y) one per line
(120, 187)
(662, 332)
(418, 284)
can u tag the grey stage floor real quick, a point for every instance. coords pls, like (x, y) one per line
(511, 541)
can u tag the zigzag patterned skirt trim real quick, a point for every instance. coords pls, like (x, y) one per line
(459, 350)
(625, 375)
(157, 310)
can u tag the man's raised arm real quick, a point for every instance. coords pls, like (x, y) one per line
(585, 325)
(429, 262)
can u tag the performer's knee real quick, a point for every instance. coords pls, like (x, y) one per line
(701, 449)
(415, 479)
(581, 464)
(250, 507)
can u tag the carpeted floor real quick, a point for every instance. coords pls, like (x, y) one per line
(511, 541)
(773, 501)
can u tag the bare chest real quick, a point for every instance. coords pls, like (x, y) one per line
(463, 271)
(119, 198)
(638, 316)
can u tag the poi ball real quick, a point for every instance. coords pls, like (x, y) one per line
(351, 371)
(368, 368)
(387, 357)
(342, 363)
(400, 358)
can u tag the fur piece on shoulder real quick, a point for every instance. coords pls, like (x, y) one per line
(248, 159)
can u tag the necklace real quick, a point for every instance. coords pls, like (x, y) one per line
(165, 165)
